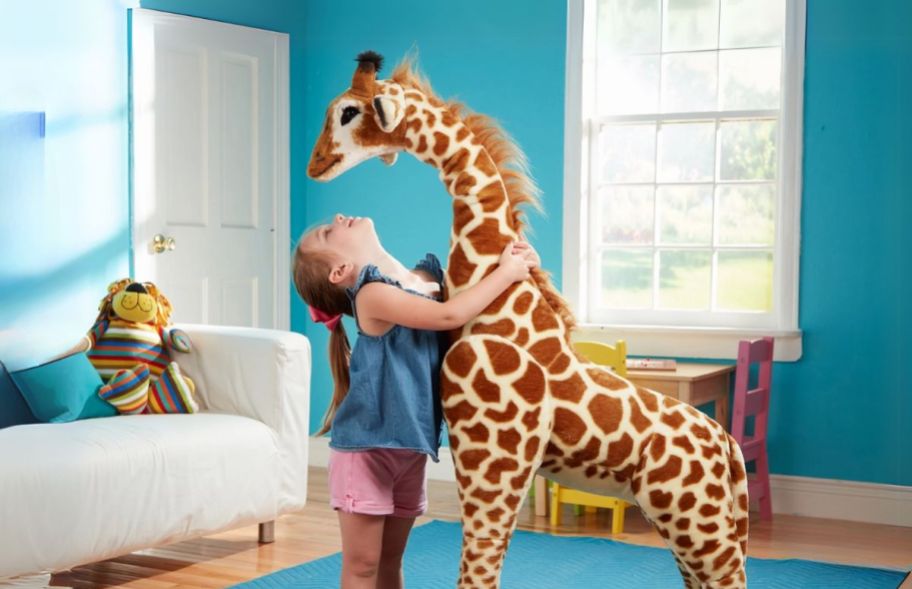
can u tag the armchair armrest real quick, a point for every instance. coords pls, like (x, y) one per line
(263, 374)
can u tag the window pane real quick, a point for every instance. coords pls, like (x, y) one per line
(690, 24)
(750, 78)
(626, 214)
(627, 278)
(748, 150)
(746, 214)
(627, 153)
(628, 26)
(685, 279)
(752, 23)
(689, 82)
(745, 281)
(685, 214)
(687, 152)
(628, 85)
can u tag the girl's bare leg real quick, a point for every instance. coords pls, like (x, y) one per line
(395, 536)
(362, 544)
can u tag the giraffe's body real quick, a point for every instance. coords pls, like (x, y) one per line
(517, 400)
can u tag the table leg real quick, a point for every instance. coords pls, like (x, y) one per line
(722, 405)
(541, 496)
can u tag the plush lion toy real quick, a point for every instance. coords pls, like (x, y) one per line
(128, 345)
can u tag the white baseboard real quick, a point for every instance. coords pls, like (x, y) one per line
(808, 497)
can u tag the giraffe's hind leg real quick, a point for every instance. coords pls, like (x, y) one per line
(495, 403)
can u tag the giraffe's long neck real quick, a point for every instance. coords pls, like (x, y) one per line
(481, 210)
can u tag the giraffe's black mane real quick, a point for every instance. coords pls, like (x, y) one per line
(371, 57)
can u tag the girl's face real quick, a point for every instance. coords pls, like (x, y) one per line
(347, 239)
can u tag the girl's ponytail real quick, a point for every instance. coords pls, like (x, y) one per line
(340, 362)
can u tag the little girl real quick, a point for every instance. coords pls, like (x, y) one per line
(385, 412)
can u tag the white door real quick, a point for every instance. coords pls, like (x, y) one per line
(210, 168)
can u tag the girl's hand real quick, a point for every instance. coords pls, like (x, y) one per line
(515, 265)
(525, 249)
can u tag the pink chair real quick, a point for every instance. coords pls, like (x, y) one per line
(754, 402)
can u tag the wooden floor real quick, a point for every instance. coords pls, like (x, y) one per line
(232, 557)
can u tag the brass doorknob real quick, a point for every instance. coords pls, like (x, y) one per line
(161, 244)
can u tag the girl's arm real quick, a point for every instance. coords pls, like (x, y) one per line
(382, 305)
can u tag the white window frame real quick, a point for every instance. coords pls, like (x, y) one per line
(677, 341)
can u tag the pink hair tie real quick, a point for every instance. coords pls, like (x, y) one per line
(330, 321)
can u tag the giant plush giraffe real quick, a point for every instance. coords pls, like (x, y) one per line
(517, 400)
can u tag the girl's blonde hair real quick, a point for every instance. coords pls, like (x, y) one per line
(310, 272)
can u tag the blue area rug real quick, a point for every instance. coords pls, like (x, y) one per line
(542, 561)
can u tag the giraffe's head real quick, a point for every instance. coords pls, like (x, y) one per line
(363, 122)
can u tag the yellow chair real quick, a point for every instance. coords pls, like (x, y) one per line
(615, 357)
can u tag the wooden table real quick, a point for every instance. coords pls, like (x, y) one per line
(693, 383)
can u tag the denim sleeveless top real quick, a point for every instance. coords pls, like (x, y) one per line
(394, 398)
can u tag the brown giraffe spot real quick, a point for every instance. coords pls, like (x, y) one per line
(648, 398)
(477, 433)
(509, 440)
(461, 358)
(495, 514)
(504, 359)
(664, 533)
(588, 453)
(485, 496)
(486, 390)
(543, 317)
(462, 215)
(708, 510)
(448, 119)
(718, 470)
(702, 576)
(503, 328)
(606, 379)
(441, 143)
(487, 238)
(454, 442)
(492, 196)
(469, 509)
(695, 565)
(635, 485)
(530, 419)
(637, 418)
(422, 144)
(460, 269)
(737, 471)
(431, 119)
(479, 570)
(522, 303)
(683, 443)
(460, 412)
(462, 133)
(673, 419)
(498, 467)
(665, 518)
(743, 502)
(414, 125)
(701, 432)
(710, 451)
(519, 481)
(708, 547)
(464, 481)
(410, 110)
(570, 389)
(531, 386)
(553, 450)
(714, 491)
(684, 541)
(687, 501)
(696, 474)
(720, 560)
(660, 499)
(606, 411)
(409, 144)
(471, 459)
(741, 526)
(484, 164)
(545, 350)
(590, 471)
(512, 501)
(393, 90)
(709, 528)
(522, 337)
(619, 450)
(503, 416)
(414, 95)
(666, 472)
(456, 163)
(560, 364)
(531, 449)
(547, 463)
(568, 427)
(625, 473)
(683, 523)
(463, 185)
(657, 447)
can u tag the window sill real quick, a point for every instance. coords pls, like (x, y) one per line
(688, 342)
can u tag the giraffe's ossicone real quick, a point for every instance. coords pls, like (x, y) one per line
(517, 399)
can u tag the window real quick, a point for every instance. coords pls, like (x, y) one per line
(683, 162)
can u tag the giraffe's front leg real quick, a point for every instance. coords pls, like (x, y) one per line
(497, 410)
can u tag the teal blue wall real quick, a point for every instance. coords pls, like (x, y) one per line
(63, 196)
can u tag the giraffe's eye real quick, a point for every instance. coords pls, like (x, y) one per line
(348, 113)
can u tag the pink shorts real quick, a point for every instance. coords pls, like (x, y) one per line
(378, 481)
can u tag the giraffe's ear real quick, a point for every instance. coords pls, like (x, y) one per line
(389, 111)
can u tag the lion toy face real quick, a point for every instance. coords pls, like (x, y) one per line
(134, 303)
